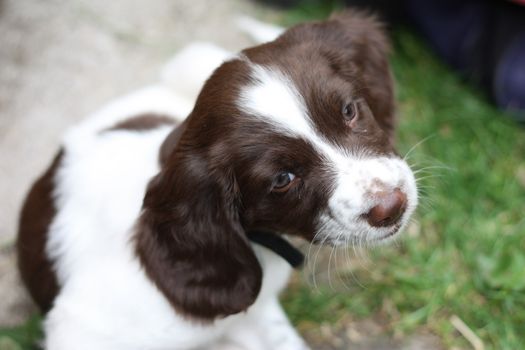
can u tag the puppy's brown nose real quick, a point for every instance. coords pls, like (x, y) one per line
(391, 207)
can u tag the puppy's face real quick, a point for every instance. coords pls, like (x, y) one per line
(305, 128)
(293, 136)
(316, 162)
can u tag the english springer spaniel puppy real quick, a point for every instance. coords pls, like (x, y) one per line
(138, 235)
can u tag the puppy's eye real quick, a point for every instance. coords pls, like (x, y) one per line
(349, 111)
(283, 182)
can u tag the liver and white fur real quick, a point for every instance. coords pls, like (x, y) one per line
(135, 238)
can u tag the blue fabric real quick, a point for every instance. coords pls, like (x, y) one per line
(484, 40)
(509, 81)
(451, 26)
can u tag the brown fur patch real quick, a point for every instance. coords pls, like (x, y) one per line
(37, 215)
(169, 144)
(143, 122)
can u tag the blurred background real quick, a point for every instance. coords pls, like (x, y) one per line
(456, 280)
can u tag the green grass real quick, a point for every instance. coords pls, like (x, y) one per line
(466, 254)
(23, 337)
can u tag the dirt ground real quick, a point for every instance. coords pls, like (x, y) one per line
(62, 59)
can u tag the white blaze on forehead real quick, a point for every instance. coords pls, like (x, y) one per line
(273, 98)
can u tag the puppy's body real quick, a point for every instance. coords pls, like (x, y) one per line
(106, 300)
(145, 244)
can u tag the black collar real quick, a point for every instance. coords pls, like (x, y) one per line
(278, 245)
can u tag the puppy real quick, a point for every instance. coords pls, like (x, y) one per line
(137, 236)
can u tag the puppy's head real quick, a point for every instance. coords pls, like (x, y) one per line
(293, 136)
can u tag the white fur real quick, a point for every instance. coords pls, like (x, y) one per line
(260, 32)
(274, 98)
(189, 69)
(356, 180)
(106, 301)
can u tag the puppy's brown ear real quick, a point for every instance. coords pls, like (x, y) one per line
(357, 48)
(191, 243)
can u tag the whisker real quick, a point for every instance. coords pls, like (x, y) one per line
(315, 262)
(311, 266)
(433, 167)
(329, 268)
(417, 145)
(354, 277)
(339, 274)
